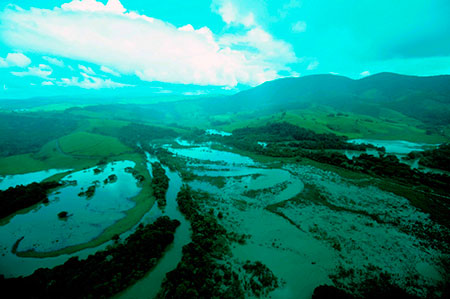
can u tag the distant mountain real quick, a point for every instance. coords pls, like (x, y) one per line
(424, 98)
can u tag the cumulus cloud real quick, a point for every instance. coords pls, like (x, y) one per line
(113, 6)
(107, 70)
(299, 27)
(54, 61)
(47, 83)
(15, 59)
(42, 71)
(154, 50)
(231, 15)
(365, 73)
(90, 82)
(85, 69)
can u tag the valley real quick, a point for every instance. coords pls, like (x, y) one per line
(272, 201)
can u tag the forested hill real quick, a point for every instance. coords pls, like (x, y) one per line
(424, 98)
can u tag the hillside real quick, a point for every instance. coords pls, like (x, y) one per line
(424, 98)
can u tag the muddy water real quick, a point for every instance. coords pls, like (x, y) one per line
(295, 257)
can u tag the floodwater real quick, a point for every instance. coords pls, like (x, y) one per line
(311, 240)
(399, 148)
(207, 154)
(43, 231)
(149, 286)
(217, 132)
(286, 250)
(27, 178)
(395, 146)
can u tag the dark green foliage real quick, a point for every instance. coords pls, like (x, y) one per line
(16, 198)
(289, 136)
(437, 158)
(330, 292)
(111, 179)
(262, 279)
(101, 275)
(386, 166)
(287, 140)
(202, 273)
(20, 134)
(134, 134)
(63, 214)
(139, 177)
(89, 192)
(284, 132)
(160, 183)
(371, 288)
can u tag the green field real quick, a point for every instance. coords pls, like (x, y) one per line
(390, 126)
(91, 145)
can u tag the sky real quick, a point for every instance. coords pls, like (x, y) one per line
(51, 47)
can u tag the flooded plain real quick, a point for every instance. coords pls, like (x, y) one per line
(309, 226)
(312, 240)
(88, 215)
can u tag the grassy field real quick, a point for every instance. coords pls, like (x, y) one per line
(74, 151)
(48, 158)
(91, 145)
(390, 125)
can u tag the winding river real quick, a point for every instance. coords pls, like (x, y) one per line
(149, 286)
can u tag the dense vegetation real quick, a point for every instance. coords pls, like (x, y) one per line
(203, 271)
(438, 158)
(372, 289)
(20, 197)
(287, 140)
(387, 166)
(20, 134)
(137, 136)
(101, 275)
(160, 183)
(199, 275)
(248, 138)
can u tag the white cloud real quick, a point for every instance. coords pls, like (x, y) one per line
(109, 71)
(365, 73)
(299, 27)
(47, 83)
(195, 93)
(312, 65)
(42, 71)
(85, 69)
(231, 15)
(54, 61)
(152, 49)
(113, 6)
(15, 59)
(90, 82)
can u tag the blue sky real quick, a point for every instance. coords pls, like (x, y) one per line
(51, 47)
